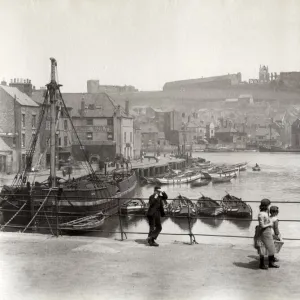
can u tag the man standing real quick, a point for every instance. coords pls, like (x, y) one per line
(155, 212)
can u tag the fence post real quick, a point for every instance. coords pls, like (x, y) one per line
(189, 221)
(120, 220)
(56, 216)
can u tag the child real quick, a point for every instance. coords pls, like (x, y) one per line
(274, 218)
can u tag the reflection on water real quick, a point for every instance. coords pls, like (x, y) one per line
(183, 223)
(212, 222)
(241, 224)
(278, 180)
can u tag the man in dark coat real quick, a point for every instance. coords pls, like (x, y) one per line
(155, 212)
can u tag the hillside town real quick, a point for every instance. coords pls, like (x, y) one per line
(221, 113)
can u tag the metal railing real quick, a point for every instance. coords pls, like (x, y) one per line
(48, 216)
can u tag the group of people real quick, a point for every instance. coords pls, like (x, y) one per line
(266, 233)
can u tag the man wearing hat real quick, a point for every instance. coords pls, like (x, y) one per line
(155, 212)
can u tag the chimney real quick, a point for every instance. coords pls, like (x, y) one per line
(127, 107)
(3, 82)
(189, 119)
(82, 107)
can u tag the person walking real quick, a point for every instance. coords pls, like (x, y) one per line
(155, 212)
(264, 236)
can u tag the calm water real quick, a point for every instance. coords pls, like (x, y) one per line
(279, 180)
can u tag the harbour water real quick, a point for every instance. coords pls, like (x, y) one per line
(278, 180)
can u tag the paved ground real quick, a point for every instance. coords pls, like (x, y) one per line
(43, 267)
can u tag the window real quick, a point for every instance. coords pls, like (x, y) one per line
(110, 122)
(130, 137)
(65, 124)
(33, 122)
(65, 141)
(23, 140)
(23, 120)
(124, 137)
(89, 135)
(59, 141)
(89, 121)
(47, 125)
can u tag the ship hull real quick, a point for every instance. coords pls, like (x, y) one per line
(73, 204)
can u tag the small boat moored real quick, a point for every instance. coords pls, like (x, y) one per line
(182, 206)
(235, 207)
(221, 179)
(209, 207)
(84, 224)
(200, 182)
(134, 206)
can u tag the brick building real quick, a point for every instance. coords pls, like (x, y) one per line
(18, 122)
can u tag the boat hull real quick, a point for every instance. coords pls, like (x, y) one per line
(179, 180)
(73, 204)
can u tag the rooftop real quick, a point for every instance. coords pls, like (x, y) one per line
(21, 98)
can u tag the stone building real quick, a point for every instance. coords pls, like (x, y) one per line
(18, 122)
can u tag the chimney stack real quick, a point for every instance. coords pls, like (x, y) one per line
(127, 107)
(82, 107)
(3, 82)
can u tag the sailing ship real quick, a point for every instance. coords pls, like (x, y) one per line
(80, 203)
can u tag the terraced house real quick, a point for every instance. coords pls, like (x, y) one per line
(18, 122)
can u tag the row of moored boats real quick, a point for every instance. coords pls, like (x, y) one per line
(182, 206)
(200, 173)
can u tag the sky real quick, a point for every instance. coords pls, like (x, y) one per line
(146, 43)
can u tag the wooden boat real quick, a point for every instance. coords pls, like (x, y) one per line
(221, 179)
(235, 207)
(200, 182)
(28, 201)
(184, 178)
(209, 207)
(256, 168)
(84, 224)
(182, 206)
(241, 166)
(134, 206)
(224, 173)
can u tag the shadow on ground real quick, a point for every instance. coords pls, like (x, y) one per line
(253, 265)
(142, 242)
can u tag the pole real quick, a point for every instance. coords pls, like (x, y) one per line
(53, 100)
(120, 221)
(56, 217)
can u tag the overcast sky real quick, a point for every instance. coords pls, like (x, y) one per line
(146, 43)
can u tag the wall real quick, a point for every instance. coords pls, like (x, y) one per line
(127, 132)
(137, 143)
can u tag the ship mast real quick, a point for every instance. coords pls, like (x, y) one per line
(53, 87)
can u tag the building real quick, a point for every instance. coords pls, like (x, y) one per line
(210, 131)
(103, 127)
(290, 79)
(167, 121)
(149, 133)
(18, 123)
(215, 81)
(226, 135)
(137, 141)
(266, 136)
(296, 134)
(63, 134)
(143, 111)
(94, 87)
